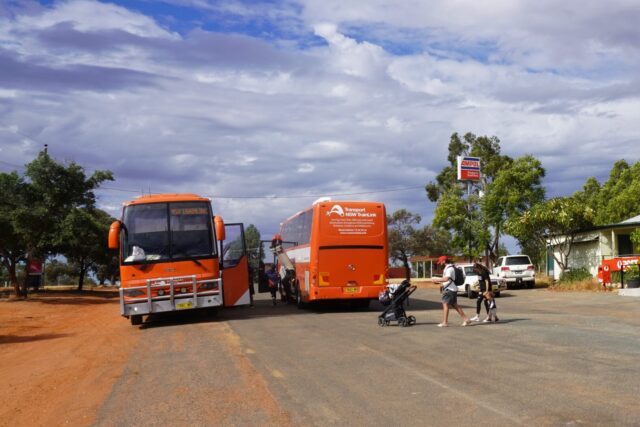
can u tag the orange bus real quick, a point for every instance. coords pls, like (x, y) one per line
(175, 255)
(339, 251)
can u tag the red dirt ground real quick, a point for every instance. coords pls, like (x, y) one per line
(61, 353)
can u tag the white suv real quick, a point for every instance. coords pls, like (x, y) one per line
(516, 270)
(471, 287)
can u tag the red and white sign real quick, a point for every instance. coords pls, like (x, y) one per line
(468, 168)
(34, 266)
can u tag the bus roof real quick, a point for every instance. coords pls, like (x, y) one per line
(324, 200)
(163, 198)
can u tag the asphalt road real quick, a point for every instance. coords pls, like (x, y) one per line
(554, 359)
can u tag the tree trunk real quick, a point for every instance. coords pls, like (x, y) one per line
(13, 277)
(407, 268)
(25, 281)
(81, 275)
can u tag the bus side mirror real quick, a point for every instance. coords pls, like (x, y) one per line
(114, 235)
(219, 223)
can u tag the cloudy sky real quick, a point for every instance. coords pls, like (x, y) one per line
(266, 105)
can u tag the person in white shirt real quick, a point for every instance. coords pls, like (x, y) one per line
(449, 292)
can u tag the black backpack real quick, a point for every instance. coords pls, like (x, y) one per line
(459, 276)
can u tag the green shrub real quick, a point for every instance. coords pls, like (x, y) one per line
(575, 275)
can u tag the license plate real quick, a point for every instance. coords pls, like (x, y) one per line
(184, 305)
(351, 290)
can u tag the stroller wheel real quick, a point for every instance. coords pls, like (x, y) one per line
(403, 322)
(381, 322)
(412, 320)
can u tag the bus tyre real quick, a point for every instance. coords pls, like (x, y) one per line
(299, 302)
(136, 320)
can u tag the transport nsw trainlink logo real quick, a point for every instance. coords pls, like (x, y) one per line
(336, 209)
(350, 212)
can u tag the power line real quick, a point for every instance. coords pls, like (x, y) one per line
(11, 164)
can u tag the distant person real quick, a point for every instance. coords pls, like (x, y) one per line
(274, 280)
(252, 290)
(449, 292)
(484, 281)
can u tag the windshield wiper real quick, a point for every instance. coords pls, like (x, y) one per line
(187, 255)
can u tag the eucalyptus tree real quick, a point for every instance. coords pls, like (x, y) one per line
(555, 222)
(33, 208)
(475, 212)
(83, 236)
(618, 198)
(407, 240)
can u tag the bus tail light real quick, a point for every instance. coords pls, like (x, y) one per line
(324, 279)
(378, 279)
(505, 269)
(530, 267)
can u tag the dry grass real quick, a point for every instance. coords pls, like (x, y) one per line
(588, 285)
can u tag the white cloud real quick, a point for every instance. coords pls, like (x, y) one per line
(366, 102)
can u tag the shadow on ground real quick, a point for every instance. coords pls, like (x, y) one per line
(11, 339)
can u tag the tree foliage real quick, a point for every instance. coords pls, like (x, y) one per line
(252, 238)
(508, 188)
(556, 222)
(84, 233)
(405, 240)
(35, 207)
(618, 198)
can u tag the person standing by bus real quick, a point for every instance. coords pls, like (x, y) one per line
(449, 292)
(274, 280)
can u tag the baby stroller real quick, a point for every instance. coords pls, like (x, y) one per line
(394, 297)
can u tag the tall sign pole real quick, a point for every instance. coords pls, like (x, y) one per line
(469, 172)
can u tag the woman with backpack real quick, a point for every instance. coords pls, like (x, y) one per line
(449, 291)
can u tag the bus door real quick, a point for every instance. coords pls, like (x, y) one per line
(263, 281)
(235, 266)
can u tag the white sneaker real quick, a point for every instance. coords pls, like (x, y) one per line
(487, 320)
(475, 319)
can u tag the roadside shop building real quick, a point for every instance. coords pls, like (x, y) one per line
(593, 245)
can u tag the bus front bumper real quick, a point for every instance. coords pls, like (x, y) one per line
(171, 300)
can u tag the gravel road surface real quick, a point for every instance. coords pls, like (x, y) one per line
(554, 359)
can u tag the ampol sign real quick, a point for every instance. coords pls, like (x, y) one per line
(468, 168)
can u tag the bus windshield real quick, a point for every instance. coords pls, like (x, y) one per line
(157, 232)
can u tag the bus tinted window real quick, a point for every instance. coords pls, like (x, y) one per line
(146, 236)
(190, 230)
(298, 229)
(161, 231)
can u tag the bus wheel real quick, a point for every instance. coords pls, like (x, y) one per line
(299, 302)
(136, 320)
